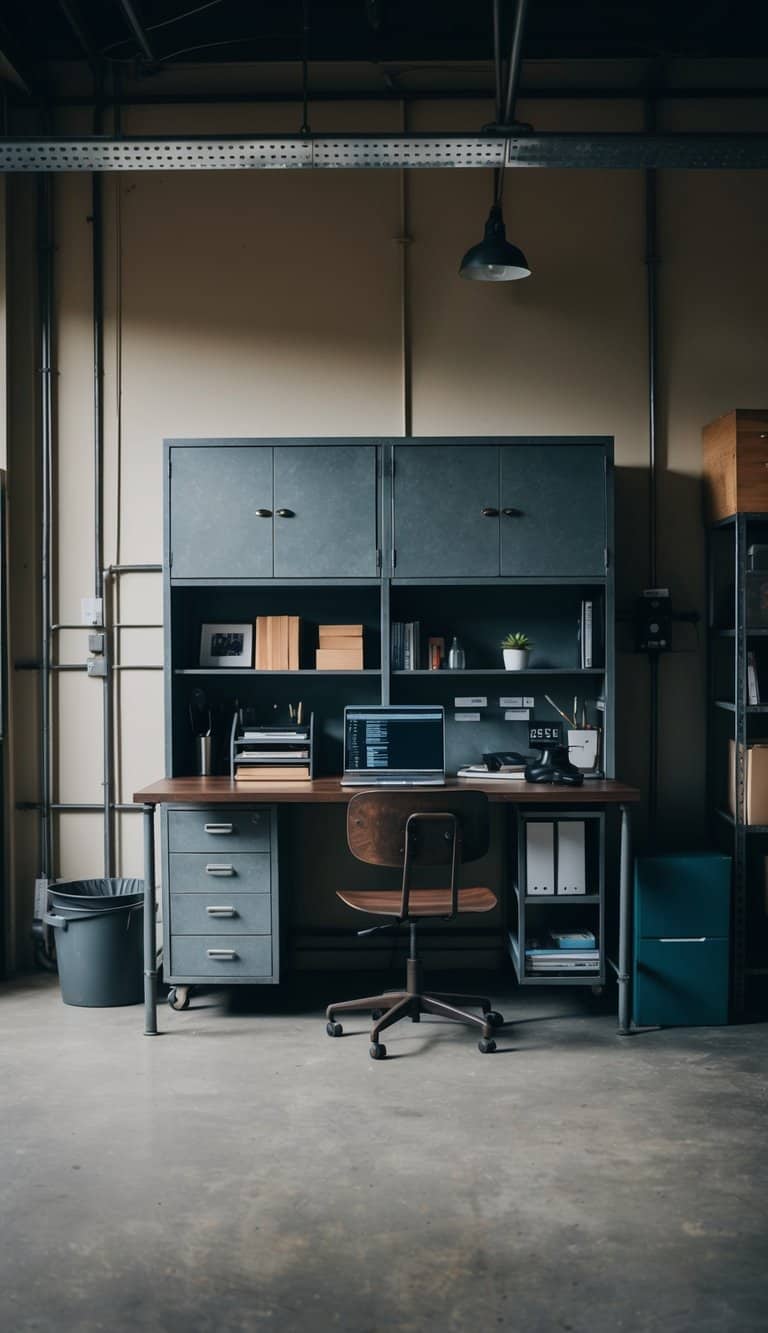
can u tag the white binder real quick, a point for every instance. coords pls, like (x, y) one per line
(571, 858)
(539, 857)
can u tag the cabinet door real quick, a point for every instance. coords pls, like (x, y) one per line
(328, 527)
(680, 982)
(553, 503)
(215, 530)
(441, 492)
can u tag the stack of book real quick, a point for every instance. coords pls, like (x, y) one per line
(271, 754)
(406, 645)
(340, 648)
(566, 951)
(277, 643)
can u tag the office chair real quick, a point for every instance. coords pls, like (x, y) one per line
(409, 829)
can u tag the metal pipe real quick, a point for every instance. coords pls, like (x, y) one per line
(651, 274)
(137, 28)
(404, 240)
(45, 298)
(537, 94)
(107, 741)
(497, 65)
(79, 807)
(97, 278)
(513, 69)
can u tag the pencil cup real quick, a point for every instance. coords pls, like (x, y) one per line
(584, 748)
(204, 756)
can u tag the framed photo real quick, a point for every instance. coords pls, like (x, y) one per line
(226, 645)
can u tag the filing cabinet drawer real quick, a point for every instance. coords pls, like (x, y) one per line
(196, 872)
(226, 913)
(221, 957)
(681, 982)
(222, 831)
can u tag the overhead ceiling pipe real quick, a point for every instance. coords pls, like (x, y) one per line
(137, 28)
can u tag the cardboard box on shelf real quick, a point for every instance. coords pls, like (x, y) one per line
(755, 782)
(330, 659)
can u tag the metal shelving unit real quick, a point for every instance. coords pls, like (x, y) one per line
(734, 718)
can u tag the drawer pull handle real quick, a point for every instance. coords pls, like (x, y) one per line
(222, 955)
(216, 910)
(219, 828)
(219, 870)
(682, 939)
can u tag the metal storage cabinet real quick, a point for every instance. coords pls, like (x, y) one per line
(220, 895)
(682, 912)
(486, 510)
(446, 511)
(262, 511)
(553, 510)
(215, 494)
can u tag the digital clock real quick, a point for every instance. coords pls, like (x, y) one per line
(544, 734)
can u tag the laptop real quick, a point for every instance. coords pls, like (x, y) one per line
(398, 745)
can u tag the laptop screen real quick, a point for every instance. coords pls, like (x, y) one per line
(394, 739)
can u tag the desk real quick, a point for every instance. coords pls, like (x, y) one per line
(222, 791)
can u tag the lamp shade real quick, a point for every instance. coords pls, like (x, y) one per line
(494, 259)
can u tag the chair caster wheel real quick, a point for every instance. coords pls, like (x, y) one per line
(178, 999)
(334, 1029)
(376, 1014)
(377, 1051)
(496, 1020)
(486, 1045)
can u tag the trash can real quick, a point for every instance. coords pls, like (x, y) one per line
(99, 940)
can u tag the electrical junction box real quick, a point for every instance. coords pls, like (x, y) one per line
(653, 621)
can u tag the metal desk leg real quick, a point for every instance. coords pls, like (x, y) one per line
(625, 890)
(150, 946)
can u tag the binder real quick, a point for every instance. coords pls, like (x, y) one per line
(539, 857)
(571, 858)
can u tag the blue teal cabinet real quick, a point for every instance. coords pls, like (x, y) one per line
(216, 493)
(682, 916)
(446, 511)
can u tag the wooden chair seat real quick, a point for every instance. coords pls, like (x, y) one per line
(422, 902)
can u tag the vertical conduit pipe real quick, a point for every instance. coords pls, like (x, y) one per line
(651, 271)
(404, 240)
(45, 278)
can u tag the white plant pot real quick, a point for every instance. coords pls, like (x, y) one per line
(516, 659)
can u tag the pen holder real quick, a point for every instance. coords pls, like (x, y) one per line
(584, 748)
(203, 746)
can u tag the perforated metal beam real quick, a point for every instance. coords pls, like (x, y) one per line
(280, 152)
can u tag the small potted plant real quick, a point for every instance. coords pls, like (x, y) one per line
(517, 650)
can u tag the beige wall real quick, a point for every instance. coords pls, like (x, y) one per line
(269, 303)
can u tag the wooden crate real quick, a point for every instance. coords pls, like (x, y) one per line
(736, 463)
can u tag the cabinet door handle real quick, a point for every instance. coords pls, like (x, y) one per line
(222, 955)
(263, 513)
(511, 513)
(489, 512)
(219, 870)
(215, 910)
(218, 828)
(285, 513)
(682, 939)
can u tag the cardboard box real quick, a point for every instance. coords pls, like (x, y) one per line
(343, 631)
(337, 643)
(735, 458)
(330, 659)
(755, 783)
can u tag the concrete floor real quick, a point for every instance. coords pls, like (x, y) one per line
(245, 1172)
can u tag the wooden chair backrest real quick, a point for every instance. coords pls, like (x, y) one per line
(376, 823)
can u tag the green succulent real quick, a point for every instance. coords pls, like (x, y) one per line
(520, 641)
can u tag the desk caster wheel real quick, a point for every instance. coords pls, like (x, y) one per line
(178, 997)
(486, 1045)
(377, 1051)
(496, 1020)
(334, 1029)
(376, 1014)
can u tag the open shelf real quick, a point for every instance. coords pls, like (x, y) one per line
(447, 672)
(748, 708)
(747, 828)
(251, 671)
